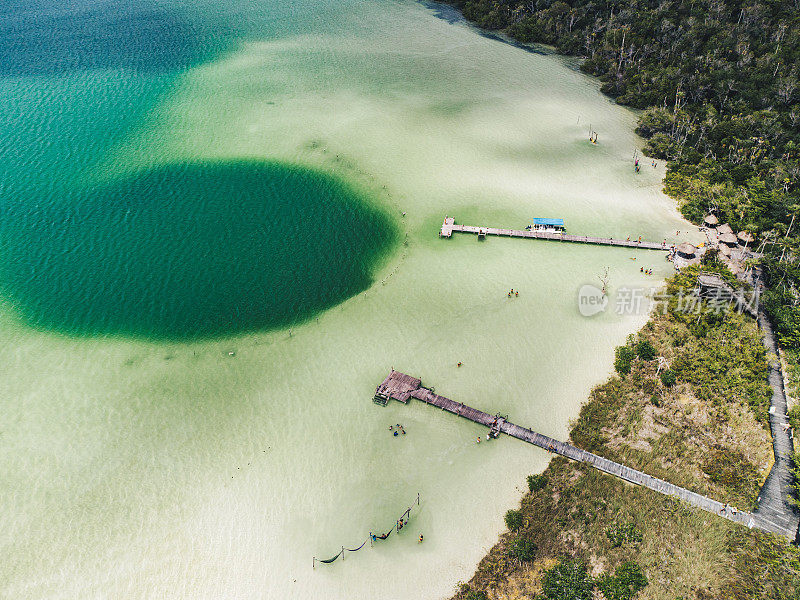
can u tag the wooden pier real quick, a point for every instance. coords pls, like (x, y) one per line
(449, 226)
(401, 387)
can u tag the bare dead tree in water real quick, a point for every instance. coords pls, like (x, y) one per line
(604, 280)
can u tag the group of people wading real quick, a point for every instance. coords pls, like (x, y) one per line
(491, 429)
(636, 164)
(636, 167)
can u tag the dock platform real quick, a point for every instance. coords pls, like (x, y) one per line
(449, 226)
(403, 387)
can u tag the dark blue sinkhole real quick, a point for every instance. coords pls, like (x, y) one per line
(191, 250)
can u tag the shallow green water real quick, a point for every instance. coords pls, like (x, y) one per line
(190, 250)
(139, 461)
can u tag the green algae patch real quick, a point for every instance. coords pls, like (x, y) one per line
(192, 250)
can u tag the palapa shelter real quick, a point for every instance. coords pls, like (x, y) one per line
(745, 237)
(710, 221)
(729, 239)
(546, 223)
(686, 250)
(397, 386)
(725, 228)
(711, 285)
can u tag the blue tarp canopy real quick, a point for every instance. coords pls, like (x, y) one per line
(549, 222)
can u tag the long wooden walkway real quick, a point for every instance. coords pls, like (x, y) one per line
(758, 520)
(774, 498)
(449, 226)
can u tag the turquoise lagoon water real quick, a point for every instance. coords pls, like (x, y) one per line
(205, 269)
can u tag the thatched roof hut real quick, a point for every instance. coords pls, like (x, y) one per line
(729, 239)
(711, 284)
(686, 250)
(745, 237)
(711, 220)
(725, 228)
